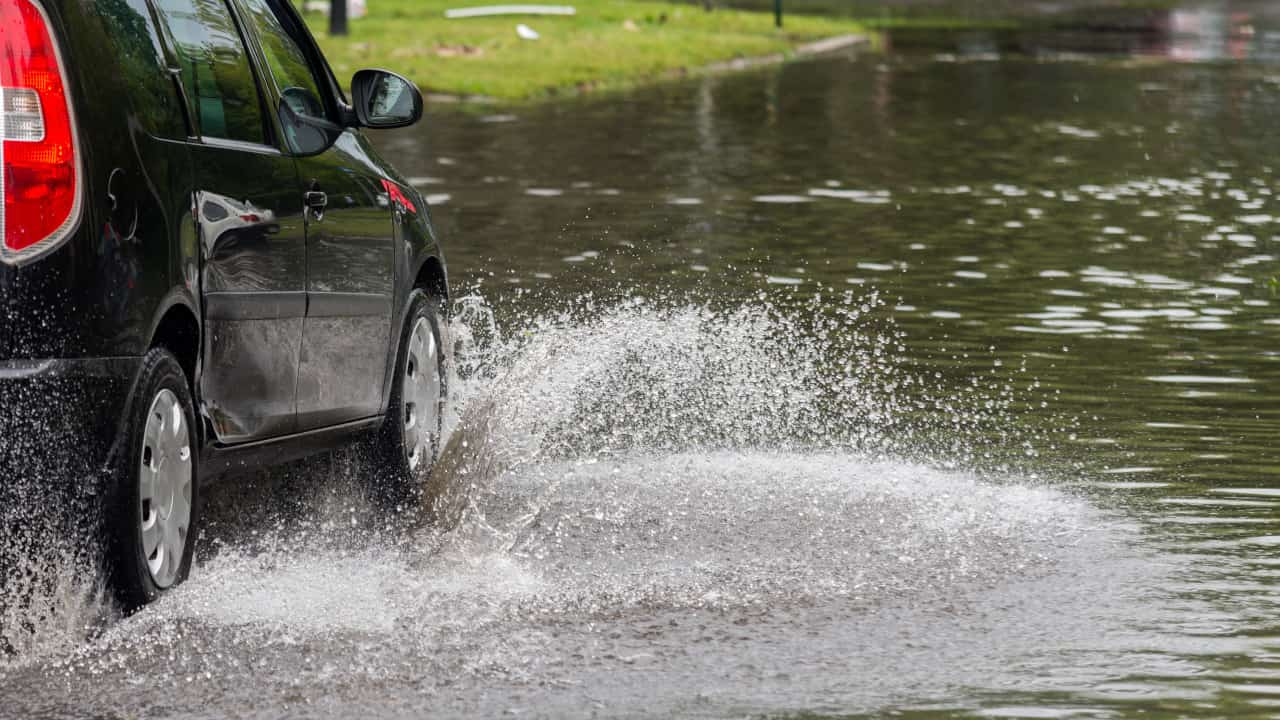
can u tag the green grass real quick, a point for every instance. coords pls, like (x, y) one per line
(608, 44)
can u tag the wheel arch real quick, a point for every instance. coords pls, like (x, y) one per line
(176, 328)
(432, 278)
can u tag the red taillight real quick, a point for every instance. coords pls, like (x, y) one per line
(39, 165)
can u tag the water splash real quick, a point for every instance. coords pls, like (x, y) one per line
(625, 466)
(51, 595)
(52, 601)
(824, 374)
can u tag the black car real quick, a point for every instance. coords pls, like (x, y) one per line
(204, 266)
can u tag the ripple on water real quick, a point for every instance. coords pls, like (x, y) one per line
(1259, 492)
(1194, 218)
(1078, 132)
(1200, 380)
(876, 267)
(1258, 219)
(1216, 502)
(783, 280)
(869, 197)
(781, 199)
(1128, 485)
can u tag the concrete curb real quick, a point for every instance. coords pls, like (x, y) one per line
(831, 44)
(826, 46)
(818, 47)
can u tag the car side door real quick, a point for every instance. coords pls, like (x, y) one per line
(347, 333)
(249, 214)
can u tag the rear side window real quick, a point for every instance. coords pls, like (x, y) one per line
(215, 69)
(144, 72)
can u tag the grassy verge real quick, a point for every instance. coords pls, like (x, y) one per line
(609, 43)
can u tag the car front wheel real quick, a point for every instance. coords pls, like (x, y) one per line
(406, 448)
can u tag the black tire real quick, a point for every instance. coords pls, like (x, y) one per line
(130, 576)
(393, 482)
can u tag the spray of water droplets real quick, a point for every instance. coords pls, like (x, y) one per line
(822, 374)
(612, 463)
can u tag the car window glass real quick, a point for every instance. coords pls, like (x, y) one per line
(215, 69)
(299, 87)
(144, 71)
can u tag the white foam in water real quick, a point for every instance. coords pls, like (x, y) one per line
(683, 530)
(712, 495)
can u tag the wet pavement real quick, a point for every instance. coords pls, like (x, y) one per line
(935, 382)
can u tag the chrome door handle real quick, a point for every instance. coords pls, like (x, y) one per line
(316, 202)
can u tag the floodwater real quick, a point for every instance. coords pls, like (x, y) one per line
(931, 382)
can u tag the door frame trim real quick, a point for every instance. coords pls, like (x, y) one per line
(347, 304)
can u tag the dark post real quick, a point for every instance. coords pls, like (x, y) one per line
(777, 13)
(338, 17)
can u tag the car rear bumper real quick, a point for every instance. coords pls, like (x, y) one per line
(61, 419)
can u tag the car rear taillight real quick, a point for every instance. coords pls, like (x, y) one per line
(40, 178)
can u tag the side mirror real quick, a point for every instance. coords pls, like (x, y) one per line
(384, 99)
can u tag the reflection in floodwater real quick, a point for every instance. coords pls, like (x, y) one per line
(1210, 32)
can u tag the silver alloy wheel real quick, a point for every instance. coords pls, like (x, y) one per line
(420, 395)
(165, 476)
